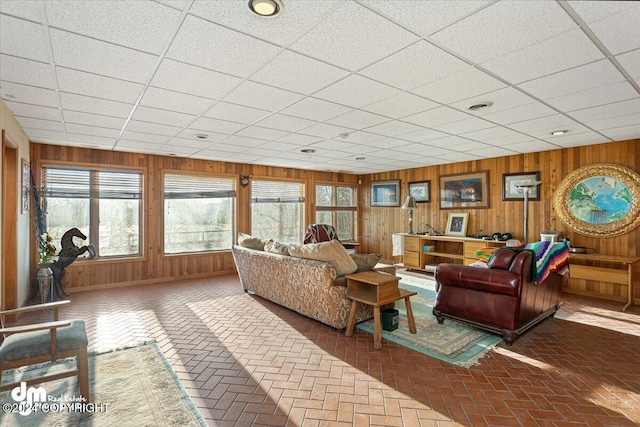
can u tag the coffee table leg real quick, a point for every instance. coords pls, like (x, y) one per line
(377, 328)
(410, 320)
(351, 323)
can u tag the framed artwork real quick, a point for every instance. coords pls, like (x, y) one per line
(385, 193)
(421, 191)
(510, 189)
(600, 200)
(26, 181)
(457, 224)
(464, 190)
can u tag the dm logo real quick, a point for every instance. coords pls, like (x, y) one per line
(28, 396)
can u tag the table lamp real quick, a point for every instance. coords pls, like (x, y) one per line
(410, 205)
(526, 188)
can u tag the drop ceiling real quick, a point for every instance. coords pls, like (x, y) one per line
(371, 86)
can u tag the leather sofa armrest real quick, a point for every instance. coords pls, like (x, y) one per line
(479, 279)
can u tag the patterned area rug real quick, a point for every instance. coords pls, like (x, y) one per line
(452, 342)
(130, 387)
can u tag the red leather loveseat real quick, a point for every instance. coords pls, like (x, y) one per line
(503, 298)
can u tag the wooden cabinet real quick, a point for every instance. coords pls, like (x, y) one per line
(425, 252)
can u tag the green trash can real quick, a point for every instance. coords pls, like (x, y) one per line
(390, 319)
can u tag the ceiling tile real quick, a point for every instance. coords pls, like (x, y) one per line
(22, 9)
(503, 141)
(504, 27)
(98, 86)
(201, 82)
(353, 37)
(449, 142)
(94, 140)
(24, 71)
(631, 63)
(86, 104)
(296, 18)
(490, 152)
(29, 94)
(299, 139)
(436, 117)
(542, 127)
(614, 122)
(45, 136)
(520, 113)
(575, 140)
(280, 146)
(310, 75)
(394, 128)
(286, 123)
(175, 101)
(631, 106)
(81, 118)
(621, 32)
(531, 146)
(357, 119)
(125, 143)
(215, 125)
(154, 128)
(615, 92)
(423, 150)
(190, 134)
(423, 135)
(262, 96)
(623, 133)
(502, 99)
(22, 38)
(145, 137)
(356, 91)
(467, 125)
(387, 143)
(125, 23)
(332, 144)
(98, 57)
(400, 105)
(424, 17)
(177, 150)
(460, 157)
(325, 130)
(562, 52)
(465, 84)
(34, 111)
(155, 115)
(242, 141)
(235, 113)
(361, 137)
(315, 109)
(91, 130)
(261, 133)
(489, 134)
(28, 122)
(192, 142)
(217, 48)
(416, 65)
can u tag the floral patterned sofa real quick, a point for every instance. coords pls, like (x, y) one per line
(309, 287)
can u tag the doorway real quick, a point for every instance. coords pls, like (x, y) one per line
(10, 167)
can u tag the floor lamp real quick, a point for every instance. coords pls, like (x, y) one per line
(526, 188)
(410, 205)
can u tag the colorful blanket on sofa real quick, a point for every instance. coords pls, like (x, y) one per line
(551, 257)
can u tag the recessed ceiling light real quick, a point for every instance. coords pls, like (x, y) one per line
(359, 158)
(308, 151)
(264, 7)
(344, 135)
(559, 132)
(479, 106)
(201, 136)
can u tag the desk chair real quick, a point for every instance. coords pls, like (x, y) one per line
(44, 342)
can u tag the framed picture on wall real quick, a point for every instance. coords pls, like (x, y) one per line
(457, 224)
(421, 191)
(385, 193)
(464, 190)
(511, 190)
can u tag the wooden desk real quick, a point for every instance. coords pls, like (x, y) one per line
(608, 275)
(376, 289)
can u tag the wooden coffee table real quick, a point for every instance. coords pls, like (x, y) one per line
(376, 289)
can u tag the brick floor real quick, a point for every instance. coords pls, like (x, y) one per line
(248, 362)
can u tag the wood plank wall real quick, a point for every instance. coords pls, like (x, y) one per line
(378, 224)
(154, 266)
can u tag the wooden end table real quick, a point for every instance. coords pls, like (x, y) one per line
(376, 289)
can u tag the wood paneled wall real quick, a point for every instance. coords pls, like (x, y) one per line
(378, 224)
(154, 266)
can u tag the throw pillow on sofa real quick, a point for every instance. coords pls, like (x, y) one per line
(251, 242)
(332, 252)
(276, 248)
(366, 262)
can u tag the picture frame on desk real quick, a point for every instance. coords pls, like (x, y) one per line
(421, 191)
(457, 224)
(464, 190)
(385, 193)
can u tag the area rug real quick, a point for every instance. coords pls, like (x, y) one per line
(130, 387)
(452, 342)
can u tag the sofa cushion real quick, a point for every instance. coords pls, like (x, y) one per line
(251, 242)
(502, 259)
(366, 262)
(276, 248)
(332, 252)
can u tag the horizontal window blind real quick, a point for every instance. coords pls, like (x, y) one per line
(276, 192)
(197, 187)
(88, 183)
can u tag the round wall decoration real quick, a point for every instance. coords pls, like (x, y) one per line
(600, 200)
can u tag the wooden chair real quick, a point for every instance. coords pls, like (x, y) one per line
(44, 342)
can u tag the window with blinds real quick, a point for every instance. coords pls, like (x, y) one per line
(104, 204)
(336, 205)
(199, 213)
(277, 210)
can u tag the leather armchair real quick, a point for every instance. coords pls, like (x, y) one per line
(502, 298)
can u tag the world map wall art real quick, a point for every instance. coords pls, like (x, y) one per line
(600, 200)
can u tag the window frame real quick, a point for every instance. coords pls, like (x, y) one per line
(334, 208)
(303, 183)
(94, 206)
